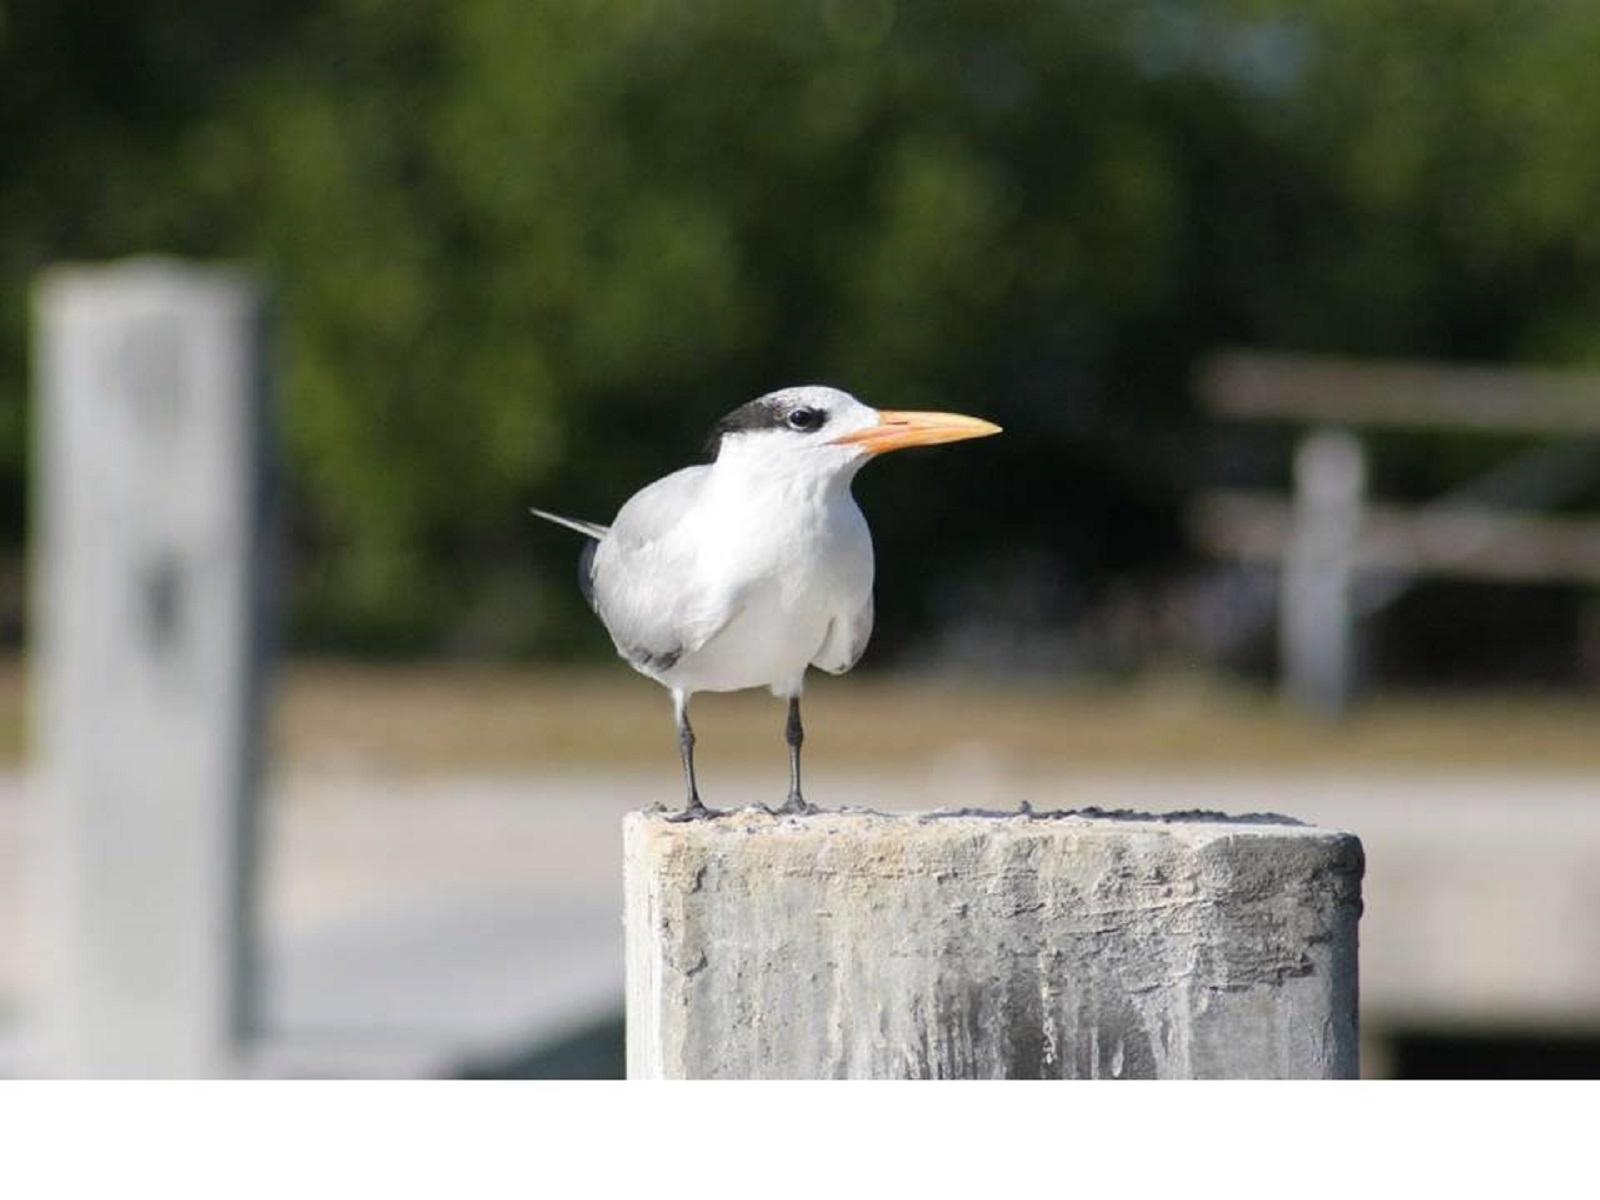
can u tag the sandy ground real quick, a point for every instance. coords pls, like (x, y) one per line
(440, 718)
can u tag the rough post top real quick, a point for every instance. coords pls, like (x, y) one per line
(1193, 827)
(966, 945)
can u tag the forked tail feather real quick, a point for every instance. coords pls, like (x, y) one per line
(587, 528)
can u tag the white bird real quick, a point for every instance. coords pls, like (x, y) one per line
(745, 571)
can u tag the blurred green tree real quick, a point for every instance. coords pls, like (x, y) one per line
(530, 252)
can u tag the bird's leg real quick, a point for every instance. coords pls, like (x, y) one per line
(795, 735)
(693, 809)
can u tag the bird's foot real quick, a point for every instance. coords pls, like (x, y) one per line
(694, 810)
(795, 806)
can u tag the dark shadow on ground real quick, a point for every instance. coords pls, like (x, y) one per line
(1495, 1056)
(594, 1052)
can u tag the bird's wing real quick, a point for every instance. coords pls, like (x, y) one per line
(586, 573)
(656, 511)
(846, 639)
(851, 624)
(644, 577)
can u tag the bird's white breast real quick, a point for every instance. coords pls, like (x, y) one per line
(791, 561)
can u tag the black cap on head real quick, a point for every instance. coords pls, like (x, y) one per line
(792, 408)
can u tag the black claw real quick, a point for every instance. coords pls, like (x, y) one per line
(796, 806)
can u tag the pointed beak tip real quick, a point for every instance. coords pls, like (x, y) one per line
(900, 430)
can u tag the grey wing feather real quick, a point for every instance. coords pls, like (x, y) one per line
(851, 625)
(655, 511)
(643, 577)
(586, 573)
(846, 640)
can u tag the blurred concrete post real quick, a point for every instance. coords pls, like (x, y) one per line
(148, 628)
(860, 945)
(1317, 625)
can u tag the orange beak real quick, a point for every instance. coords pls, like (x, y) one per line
(898, 430)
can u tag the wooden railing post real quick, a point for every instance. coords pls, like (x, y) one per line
(990, 946)
(1317, 630)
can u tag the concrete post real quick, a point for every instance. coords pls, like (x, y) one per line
(1067, 946)
(1318, 619)
(147, 635)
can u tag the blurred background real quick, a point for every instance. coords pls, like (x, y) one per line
(528, 254)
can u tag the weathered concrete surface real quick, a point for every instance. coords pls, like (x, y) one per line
(862, 945)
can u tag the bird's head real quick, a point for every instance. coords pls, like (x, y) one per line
(824, 431)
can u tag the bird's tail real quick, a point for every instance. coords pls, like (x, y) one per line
(587, 528)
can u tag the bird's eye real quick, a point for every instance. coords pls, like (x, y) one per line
(806, 419)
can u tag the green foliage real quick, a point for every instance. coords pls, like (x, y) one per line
(528, 252)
